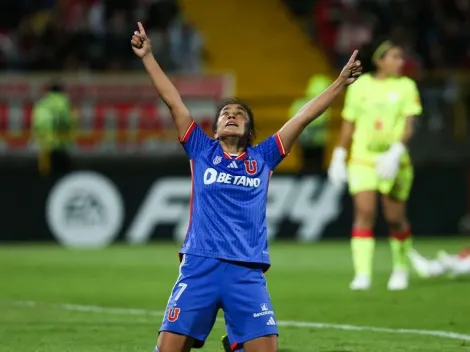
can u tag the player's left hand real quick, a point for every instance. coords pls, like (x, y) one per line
(388, 164)
(351, 71)
(140, 42)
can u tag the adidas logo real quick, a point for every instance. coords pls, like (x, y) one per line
(271, 321)
(233, 165)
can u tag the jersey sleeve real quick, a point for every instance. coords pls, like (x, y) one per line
(195, 140)
(412, 104)
(351, 106)
(272, 150)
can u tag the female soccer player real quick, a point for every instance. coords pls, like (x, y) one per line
(225, 251)
(451, 264)
(378, 117)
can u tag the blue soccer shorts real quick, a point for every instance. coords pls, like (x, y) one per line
(206, 285)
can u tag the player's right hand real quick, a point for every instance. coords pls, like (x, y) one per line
(337, 171)
(140, 42)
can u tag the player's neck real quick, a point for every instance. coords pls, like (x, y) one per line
(232, 145)
(381, 76)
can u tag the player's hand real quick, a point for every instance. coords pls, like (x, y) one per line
(351, 71)
(140, 42)
(337, 171)
(388, 164)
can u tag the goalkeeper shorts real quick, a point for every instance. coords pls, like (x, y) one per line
(363, 177)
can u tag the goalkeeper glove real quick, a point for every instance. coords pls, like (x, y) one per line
(337, 171)
(388, 163)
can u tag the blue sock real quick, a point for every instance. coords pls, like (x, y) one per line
(156, 349)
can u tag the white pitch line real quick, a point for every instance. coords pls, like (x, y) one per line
(297, 324)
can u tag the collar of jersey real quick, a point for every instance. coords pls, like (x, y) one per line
(238, 157)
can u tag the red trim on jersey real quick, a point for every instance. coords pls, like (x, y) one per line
(238, 157)
(188, 133)
(280, 145)
(233, 346)
(241, 156)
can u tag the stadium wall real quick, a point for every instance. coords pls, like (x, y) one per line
(128, 200)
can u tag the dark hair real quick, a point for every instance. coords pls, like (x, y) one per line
(56, 87)
(251, 119)
(379, 47)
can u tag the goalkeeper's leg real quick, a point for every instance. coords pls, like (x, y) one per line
(400, 241)
(395, 194)
(363, 186)
(362, 239)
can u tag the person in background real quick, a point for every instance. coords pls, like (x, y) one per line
(444, 264)
(53, 131)
(378, 118)
(314, 136)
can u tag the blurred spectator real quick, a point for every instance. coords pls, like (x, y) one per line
(354, 32)
(93, 34)
(53, 131)
(185, 46)
(436, 33)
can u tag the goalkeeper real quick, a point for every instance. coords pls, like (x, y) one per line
(378, 120)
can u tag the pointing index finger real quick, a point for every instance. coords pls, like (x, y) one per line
(353, 56)
(141, 28)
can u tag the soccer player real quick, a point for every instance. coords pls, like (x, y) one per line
(225, 251)
(451, 264)
(52, 127)
(378, 117)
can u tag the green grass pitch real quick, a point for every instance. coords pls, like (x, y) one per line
(58, 300)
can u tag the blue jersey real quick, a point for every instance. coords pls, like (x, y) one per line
(229, 196)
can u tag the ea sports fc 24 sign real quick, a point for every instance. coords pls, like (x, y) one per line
(86, 209)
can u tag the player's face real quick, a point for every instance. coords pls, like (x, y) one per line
(233, 121)
(392, 62)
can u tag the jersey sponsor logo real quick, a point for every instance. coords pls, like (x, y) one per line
(212, 176)
(173, 314)
(251, 167)
(264, 311)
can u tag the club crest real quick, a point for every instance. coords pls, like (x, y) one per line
(217, 160)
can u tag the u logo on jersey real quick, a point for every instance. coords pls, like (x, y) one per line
(173, 314)
(251, 167)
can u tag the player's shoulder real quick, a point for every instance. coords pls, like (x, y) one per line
(362, 82)
(259, 148)
(406, 82)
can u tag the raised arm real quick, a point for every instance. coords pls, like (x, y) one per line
(167, 91)
(315, 107)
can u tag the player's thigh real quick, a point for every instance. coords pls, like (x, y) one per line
(401, 185)
(194, 301)
(247, 306)
(261, 344)
(395, 193)
(171, 342)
